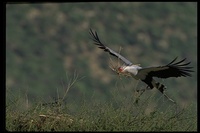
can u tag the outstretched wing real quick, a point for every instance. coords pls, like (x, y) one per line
(172, 69)
(96, 40)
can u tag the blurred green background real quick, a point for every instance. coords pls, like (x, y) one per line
(46, 43)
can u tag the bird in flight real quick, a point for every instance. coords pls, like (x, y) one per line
(146, 74)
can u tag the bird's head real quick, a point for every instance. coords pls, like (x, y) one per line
(121, 69)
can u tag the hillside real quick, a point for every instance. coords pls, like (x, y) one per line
(47, 43)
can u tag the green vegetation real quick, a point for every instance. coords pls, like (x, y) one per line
(47, 42)
(126, 114)
(108, 116)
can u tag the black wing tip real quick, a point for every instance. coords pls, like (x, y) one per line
(92, 33)
(173, 63)
(95, 38)
(97, 41)
(183, 68)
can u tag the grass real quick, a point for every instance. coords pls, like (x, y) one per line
(113, 115)
(100, 117)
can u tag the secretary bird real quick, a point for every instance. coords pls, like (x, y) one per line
(146, 74)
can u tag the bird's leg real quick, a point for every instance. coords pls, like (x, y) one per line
(169, 98)
(162, 88)
(138, 94)
(163, 92)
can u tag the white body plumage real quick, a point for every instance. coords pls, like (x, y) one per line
(133, 70)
